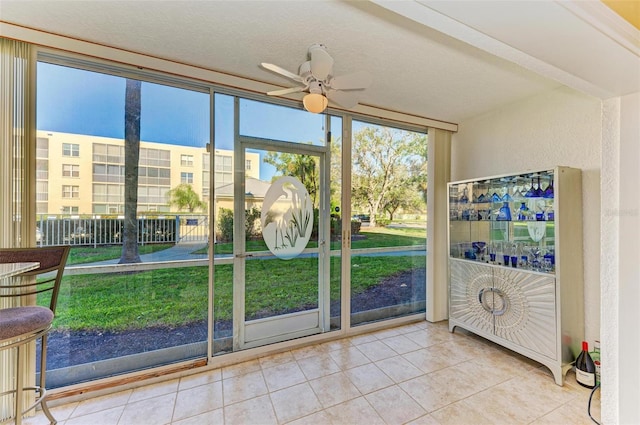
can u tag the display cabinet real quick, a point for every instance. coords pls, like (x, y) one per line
(515, 263)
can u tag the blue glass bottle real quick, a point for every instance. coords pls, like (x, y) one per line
(523, 212)
(504, 214)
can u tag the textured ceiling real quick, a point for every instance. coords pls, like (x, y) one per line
(415, 69)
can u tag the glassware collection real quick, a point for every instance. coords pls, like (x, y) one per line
(506, 221)
(504, 199)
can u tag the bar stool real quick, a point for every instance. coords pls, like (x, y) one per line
(25, 323)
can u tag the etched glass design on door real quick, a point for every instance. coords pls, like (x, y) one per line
(287, 218)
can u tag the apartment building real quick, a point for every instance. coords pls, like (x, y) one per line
(84, 175)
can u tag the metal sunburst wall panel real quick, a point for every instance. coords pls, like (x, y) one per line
(530, 316)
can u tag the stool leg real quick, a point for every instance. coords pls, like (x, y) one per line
(43, 374)
(19, 384)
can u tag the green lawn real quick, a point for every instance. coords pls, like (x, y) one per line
(173, 297)
(82, 254)
(373, 237)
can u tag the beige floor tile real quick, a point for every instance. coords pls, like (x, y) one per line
(487, 372)
(214, 417)
(459, 413)
(334, 389)
(439, 378)
(276, 359)
(368, 378)
(394, 405)
(60, 413)
(426, 360)
(295, 402)
(452, 351)
(154, 390)
(401, 344)
(356, 411)
(240, 369)
(283, 376)
(426, 339)
(386, 333)
(504, 406)
(63, 411)
(457, 382)
(348, 358)
(101, 403)
(243, 387)
(362, 339)
(339, 344)
(376, 350)
(430, 420)
(430, 393)
(418, 326)
(310, 351)
(436, 357)
(321, 417)
(197, 400)
(256, 411)
(399, 369)
(152, 411)
(103, 417)
(39, 419)
(476, 346)
(572, 413)
(318, 365)
(200, 379)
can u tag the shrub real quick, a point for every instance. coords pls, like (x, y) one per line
(382, 221)
(225, 224)
(355, 226)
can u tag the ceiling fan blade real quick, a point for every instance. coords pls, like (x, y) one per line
(356, 80)
(321, 62)
(282, 71)
(286, 91)
(344, 99)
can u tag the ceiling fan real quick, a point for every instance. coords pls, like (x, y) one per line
(316, 77)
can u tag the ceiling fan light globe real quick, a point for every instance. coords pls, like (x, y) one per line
(315, 103)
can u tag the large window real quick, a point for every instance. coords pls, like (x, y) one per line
(138, 315)
(389, 217)
(155, 314)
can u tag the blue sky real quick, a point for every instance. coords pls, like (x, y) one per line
(76, 101)
(84, 102)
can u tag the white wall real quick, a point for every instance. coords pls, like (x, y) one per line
(559, 127)
(621, 260)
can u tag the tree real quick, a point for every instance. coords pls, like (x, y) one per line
(184, 197)
(303, 167)
(383, 162)
(132, 111)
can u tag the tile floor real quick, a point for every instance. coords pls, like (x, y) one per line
(413, 374)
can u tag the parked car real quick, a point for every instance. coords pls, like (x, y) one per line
(362, 218)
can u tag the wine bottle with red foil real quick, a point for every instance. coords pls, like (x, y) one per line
(585, 368)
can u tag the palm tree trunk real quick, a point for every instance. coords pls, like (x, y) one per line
(132, 110)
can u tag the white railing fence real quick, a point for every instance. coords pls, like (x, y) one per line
(94, 231)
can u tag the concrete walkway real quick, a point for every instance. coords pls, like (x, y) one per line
(178, 252)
